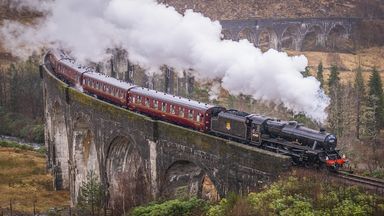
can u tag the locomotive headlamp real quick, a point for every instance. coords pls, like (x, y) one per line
(326, 158)
(343, 156)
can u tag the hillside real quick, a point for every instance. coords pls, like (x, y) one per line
(244, 9)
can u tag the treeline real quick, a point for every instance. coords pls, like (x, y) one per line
(21, 100)
(356, 114)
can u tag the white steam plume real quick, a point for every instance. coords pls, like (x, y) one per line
(155, 34)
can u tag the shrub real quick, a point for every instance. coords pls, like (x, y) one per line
(296, 195)
(305, 195)
(171, 208)
(17, 125)
(9, 144)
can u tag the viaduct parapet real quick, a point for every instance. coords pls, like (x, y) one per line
(138, 159)
(290, 33)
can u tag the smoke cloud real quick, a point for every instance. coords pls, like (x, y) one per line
(155, 34)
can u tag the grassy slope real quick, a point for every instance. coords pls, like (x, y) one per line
(348, 62)
(23, 179)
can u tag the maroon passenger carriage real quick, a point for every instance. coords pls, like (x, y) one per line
(172, 108)
(182, 111)
(66, 69)
(107, 88)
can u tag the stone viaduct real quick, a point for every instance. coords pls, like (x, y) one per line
(290, 33)
(138, 159)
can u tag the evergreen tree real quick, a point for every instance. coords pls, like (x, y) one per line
(359, 96)
(368, 119)
(334, 79)
(306, 73)
(376, 99)
(14, 88)
(319, 74)
(335, 92)
(91, 196)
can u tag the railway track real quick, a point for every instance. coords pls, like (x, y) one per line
(366, 182)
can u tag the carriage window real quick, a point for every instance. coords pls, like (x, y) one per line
(190, 114)
(173, 109)
(198, 117)
(181, 112)
(147, 102)
(155, 104)
(163, 107)
(139, 99)
(133, 98)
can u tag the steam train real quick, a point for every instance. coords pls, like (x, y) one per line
(305, 146)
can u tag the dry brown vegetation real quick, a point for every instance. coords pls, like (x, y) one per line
(244, 9)
(346, 62)
(23, 180)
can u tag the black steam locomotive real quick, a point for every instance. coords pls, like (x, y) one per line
(306, 146)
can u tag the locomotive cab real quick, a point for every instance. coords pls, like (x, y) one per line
(258, 129)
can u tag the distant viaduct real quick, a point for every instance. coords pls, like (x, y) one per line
(298, 34)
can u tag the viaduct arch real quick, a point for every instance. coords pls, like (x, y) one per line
(299, 34)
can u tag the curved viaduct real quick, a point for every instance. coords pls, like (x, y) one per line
(139, 159)
(290, 33)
